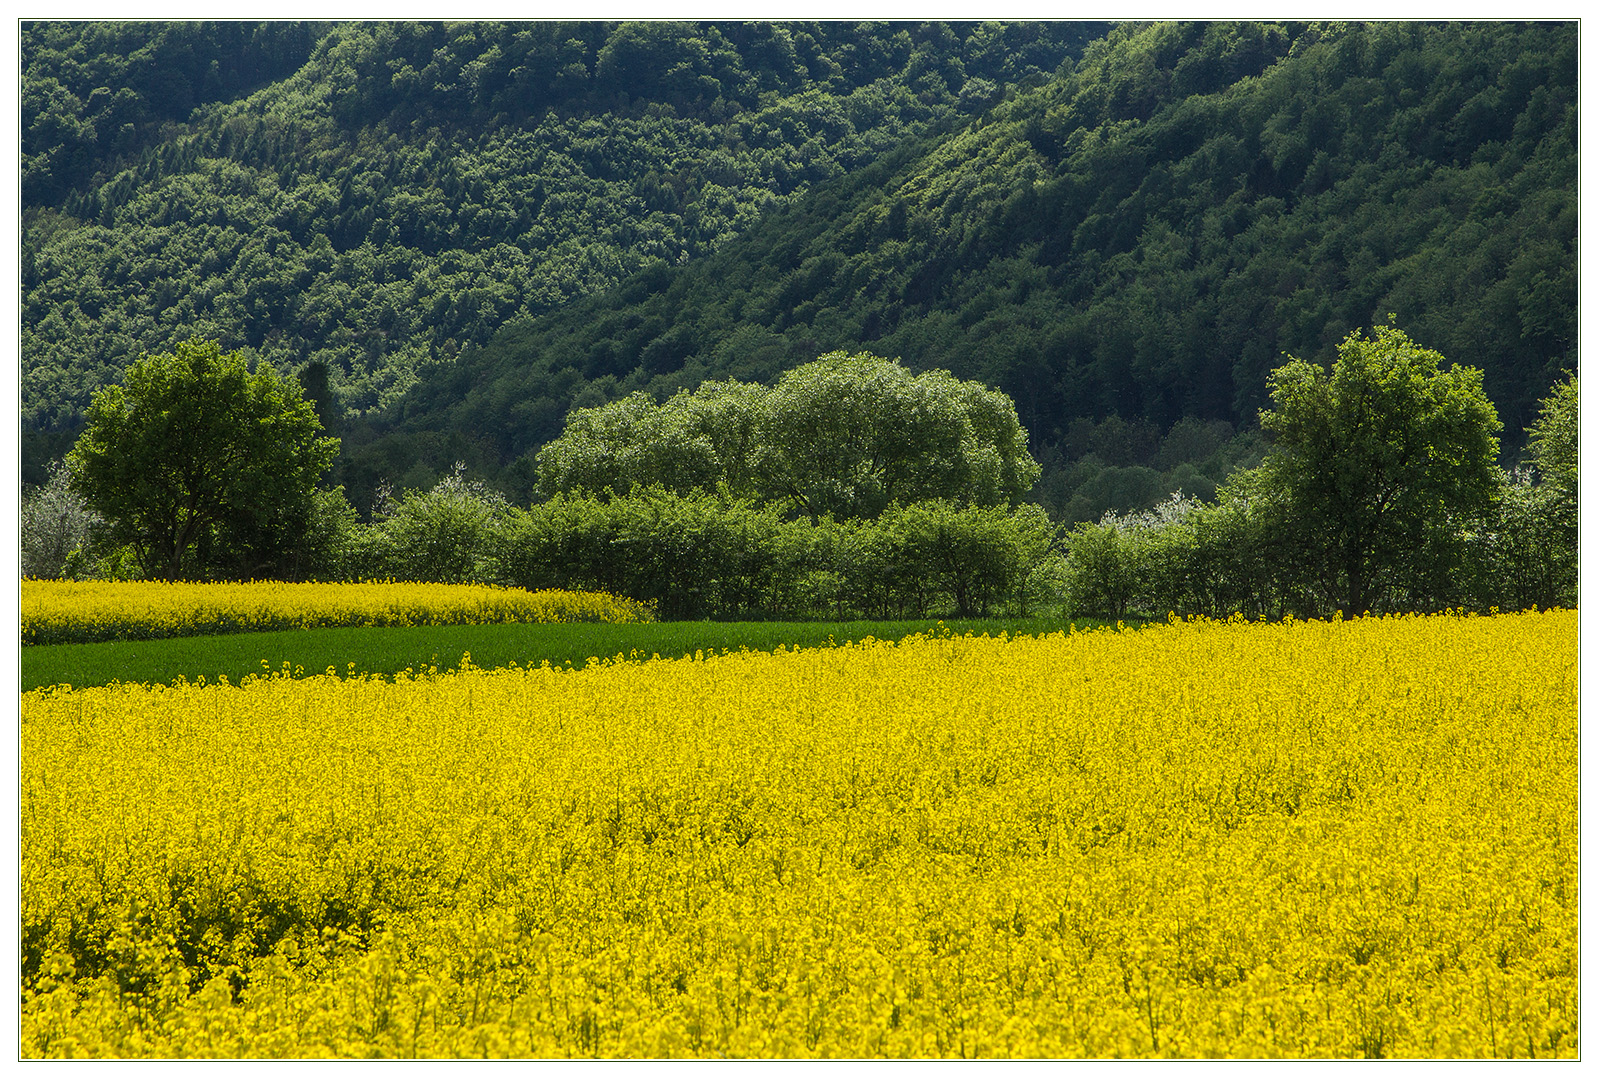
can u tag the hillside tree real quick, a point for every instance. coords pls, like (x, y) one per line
(846, 435)
(198, 463)
(850, 434)
(1378, 462)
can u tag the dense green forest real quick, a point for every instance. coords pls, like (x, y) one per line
(95, 95)
(412, 187)
(1140, 240)
(459, 233)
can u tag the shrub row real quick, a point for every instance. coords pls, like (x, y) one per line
(1239, 555)
(705, 555)
(713, 555)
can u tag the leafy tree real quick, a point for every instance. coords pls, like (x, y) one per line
(55, 530)
(1135, 560)
(1552, 439)
(978, 557)
(1379, 461)
(1526, 556)
(691, 442)
(851, 433)
(845, 436)
(443, 534)
(1245, 557)
(332, 539)
(195, 448)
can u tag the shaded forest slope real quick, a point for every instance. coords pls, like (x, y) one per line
(458, 233)
(405, 189)
(1143, 238)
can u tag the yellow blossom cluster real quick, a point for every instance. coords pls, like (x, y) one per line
(56, 612)
(1196, 839)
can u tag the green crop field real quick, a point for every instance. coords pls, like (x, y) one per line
(386, 650)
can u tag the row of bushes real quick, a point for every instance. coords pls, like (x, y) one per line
(699, 555)
(704, 555)
(1241, 555)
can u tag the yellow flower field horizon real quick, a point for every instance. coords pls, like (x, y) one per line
(1195, 839)
(56, 612)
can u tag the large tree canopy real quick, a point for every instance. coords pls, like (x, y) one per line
(1378, 462)
(847, 435)
(194, 450)
(850, 434)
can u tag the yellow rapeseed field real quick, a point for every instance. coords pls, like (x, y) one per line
(55, 612)
(1210, 839)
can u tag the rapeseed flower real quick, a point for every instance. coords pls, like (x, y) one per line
(1196, 839)
(57, 612)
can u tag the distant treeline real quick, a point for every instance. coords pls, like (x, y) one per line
(712, 555)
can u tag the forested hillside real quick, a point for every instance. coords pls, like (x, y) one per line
(94, 95)
(1142, 240)
(412, 187)
(466, 231)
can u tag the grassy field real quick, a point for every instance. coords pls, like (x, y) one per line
(387, 650)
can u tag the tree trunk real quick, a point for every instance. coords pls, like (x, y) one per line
(1355, 589)
(187, 532)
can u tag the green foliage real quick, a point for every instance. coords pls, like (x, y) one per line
(1121, 467)
(980, 557)
(1136, 561)
(692, 441)
(94, 94)
(1388, 435)
(715, 555)
(56, 530)
(1242, 557)
(844, 436)
(445, 534)
(201, 465)
(1378, 461)
(1553, 438)
(1099, 571)
(850, 434)
(475, 228)
(1143, 236)
(1524, 554)
(696, 555)
(408, 188)
(327, 549)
